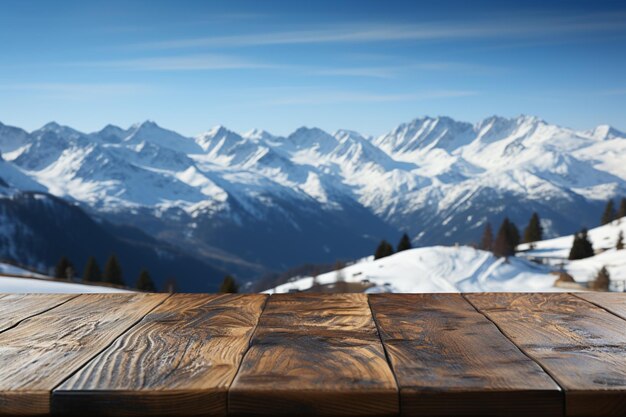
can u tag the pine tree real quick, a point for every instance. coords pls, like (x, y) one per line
(145, 283)
(486, 242)
(113, 271)
(621, 212)
(506, 239)
(404, 244)
(514, 237)
(533, 231)
(384, 249)
(609, 213)
(64, 269)
(581, 248)
(229, 285)
(602, 280)
(620, 241)
(92, 271)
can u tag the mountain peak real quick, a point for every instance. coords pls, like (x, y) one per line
(529, 119)
(606, 132)
(306, 129)
(345, 134)
(258, 134)
(146, 124)
(110, 133)
(50, 126)
(149, 131)
(217, 130)
(58, 129)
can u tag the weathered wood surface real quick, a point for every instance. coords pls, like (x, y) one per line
(315, 354)
(450, 360)
(17, 307)
(581, 345)
(180, 359)
(45, 349)
(613, 302)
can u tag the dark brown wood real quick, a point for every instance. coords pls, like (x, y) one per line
(449, 360)
(315, 354)
(179, 360)
(17, 307)
(610, 301)
(44, 350)
(581, 345)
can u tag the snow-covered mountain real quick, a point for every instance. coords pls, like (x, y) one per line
(257, 201)
(465, 269)
(37, 229)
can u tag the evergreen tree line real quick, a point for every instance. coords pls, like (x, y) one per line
(610, 213)
(385, 248)
(504, 244)
(112, 273)
(508, 236)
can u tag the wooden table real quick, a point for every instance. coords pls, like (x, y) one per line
(497, 354)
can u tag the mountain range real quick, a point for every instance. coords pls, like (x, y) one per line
(256, 202)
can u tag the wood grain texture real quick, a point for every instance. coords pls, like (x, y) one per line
(610, 301)
(450, 360)
(315, 354)
(179, 360)
(17, 307)
(44, 350)
(582, 346)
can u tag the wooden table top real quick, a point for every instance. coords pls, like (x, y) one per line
(496, 354)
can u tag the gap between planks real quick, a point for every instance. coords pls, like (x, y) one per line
(106, 346)
(373, 315)
(22, 320)
(243, 357)
(582, 324)
(523, 351)
(599, 305)
(387, 358)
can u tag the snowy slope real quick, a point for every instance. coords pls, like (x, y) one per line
(603, 239)
(10, 284)
(436, 178)
(464, 269)
(439, 269)
(14, 279)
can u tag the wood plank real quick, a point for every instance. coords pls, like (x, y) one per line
(610, 301)
(17, 307)
(449, 360)
(44, 350)
(315, 354)
(179, 360)
(582, 346)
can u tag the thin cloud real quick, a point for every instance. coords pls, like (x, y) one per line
(332, 97)
(397, 70)
(77, 90)
(372, 72)
(614, 92)
(176, 63)
(351, 33)
(210, 62)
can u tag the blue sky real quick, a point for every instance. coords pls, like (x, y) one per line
(278, 65)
